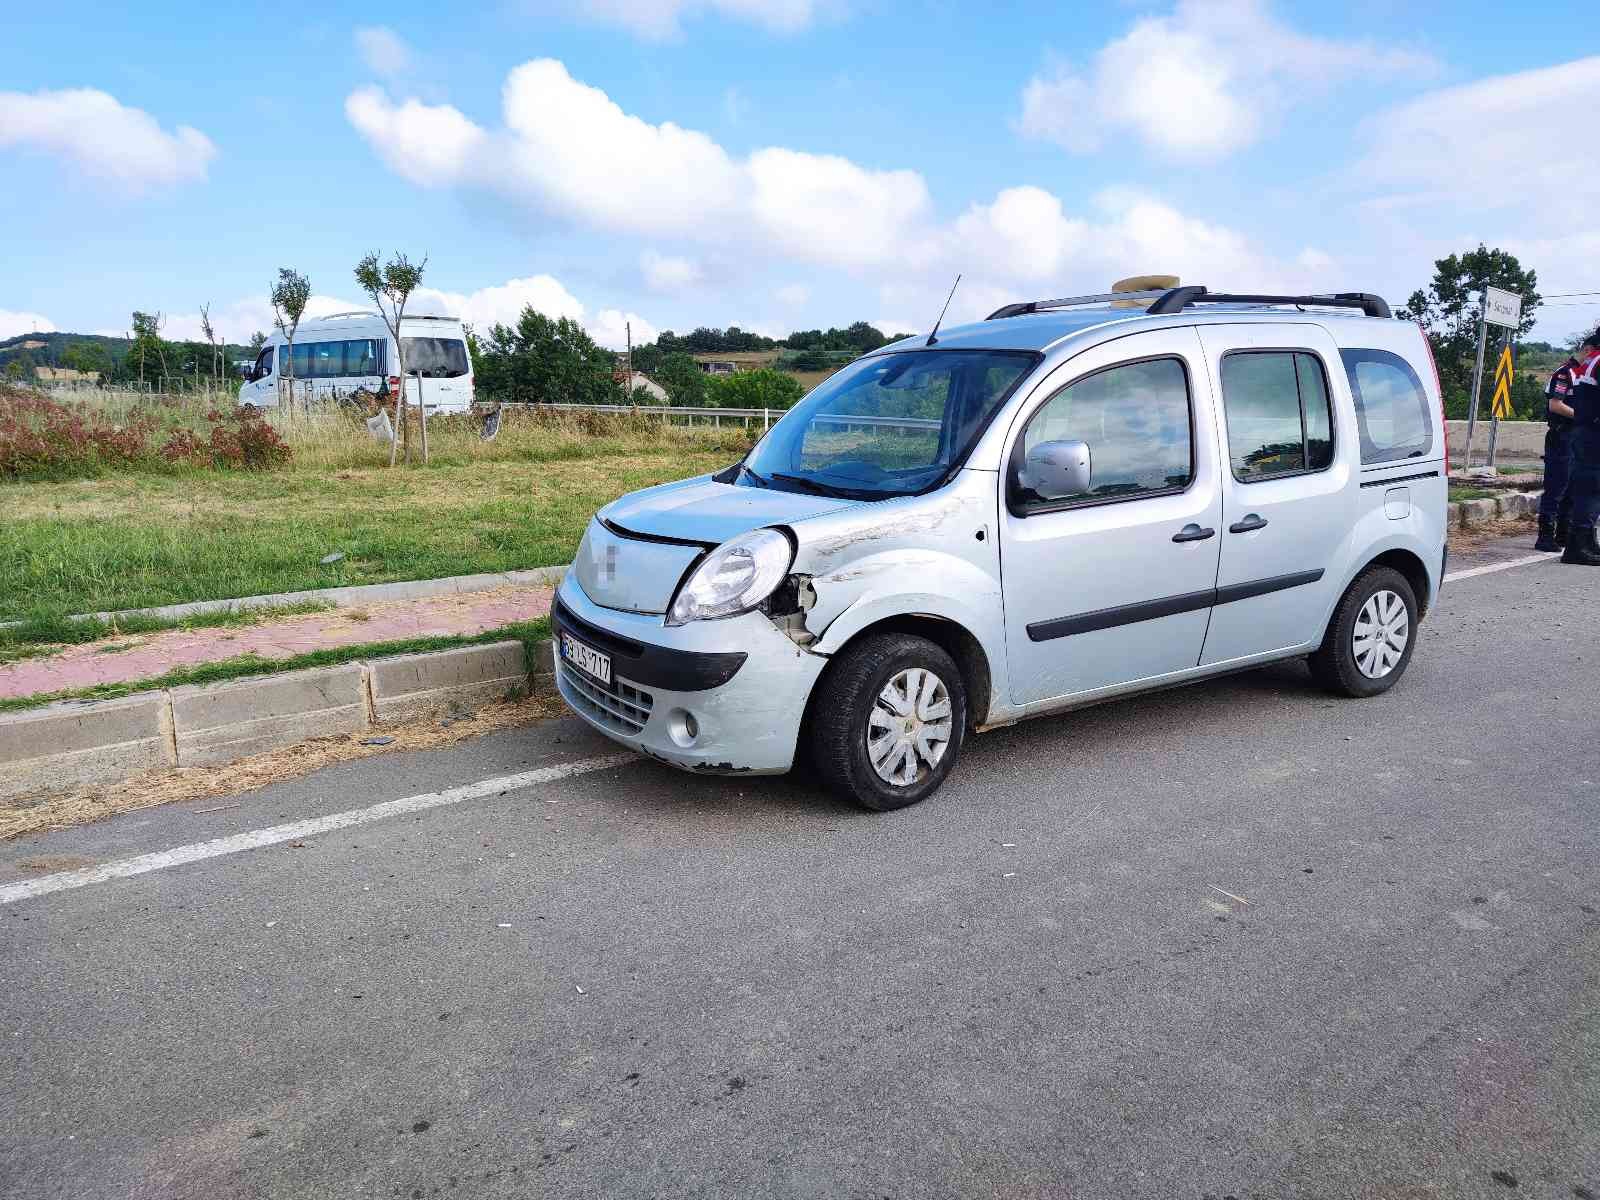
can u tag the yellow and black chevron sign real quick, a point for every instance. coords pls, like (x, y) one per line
(1503, 371)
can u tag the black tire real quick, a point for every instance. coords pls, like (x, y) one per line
(842, 710)
(1335, 665)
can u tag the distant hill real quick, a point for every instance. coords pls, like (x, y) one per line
(51, 350)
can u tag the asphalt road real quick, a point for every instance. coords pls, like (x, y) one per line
(1241, 939)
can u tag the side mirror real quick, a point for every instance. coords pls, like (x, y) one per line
(1056, 470)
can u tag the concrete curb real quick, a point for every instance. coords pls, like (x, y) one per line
(343, 597)
(1472, 514)
(77, 742)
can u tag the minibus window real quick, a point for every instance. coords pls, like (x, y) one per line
(436, 358)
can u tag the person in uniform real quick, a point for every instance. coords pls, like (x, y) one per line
(1555, 507)
(1582, 547)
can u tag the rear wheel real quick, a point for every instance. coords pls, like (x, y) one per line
(1370, 638)
(888, 721)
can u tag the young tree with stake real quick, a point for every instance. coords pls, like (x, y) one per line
(390, 286)
(289, 296)
(211, 340)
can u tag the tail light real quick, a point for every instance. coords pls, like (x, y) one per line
(394, 382)
(1444, 429)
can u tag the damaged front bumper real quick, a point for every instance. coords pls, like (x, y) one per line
(720, 697)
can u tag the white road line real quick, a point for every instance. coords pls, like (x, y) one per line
(1499, 566)
(255, 839)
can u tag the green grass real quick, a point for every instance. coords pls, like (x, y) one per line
(138, 540)
(1470, 493)
(44, 633)
(530, 633)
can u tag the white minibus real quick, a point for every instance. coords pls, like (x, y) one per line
(344, 353)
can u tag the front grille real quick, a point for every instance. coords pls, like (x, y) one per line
(617, 705)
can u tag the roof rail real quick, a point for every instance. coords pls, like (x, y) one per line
(1179, 298)
(1030, 306)
(340, 316)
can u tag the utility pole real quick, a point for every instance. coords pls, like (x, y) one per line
(628, 378)
(1477, 379)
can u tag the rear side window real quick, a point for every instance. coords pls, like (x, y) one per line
(1391, 407)
(1135, 418)
(1278, 418)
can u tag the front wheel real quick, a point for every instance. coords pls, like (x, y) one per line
(1370, 638)
(888, 721)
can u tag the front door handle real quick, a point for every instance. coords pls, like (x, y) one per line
(1193, 533)
(1253, 521)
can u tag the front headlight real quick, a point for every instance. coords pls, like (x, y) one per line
(737, 575)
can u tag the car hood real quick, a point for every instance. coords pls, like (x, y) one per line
(703, 510)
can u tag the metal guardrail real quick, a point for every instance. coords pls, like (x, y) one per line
(745, 416)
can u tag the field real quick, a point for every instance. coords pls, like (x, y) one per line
(129, 539)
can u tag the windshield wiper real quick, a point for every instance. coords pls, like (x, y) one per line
(761, 480)
(818, 488)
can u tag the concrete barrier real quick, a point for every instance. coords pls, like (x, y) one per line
(1475, 513)
(1521, 440)
(77, 742)
(419, 685)
(218, 723)
(65, 745)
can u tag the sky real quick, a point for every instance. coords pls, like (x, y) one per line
(781, 164)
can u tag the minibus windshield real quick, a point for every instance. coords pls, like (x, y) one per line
(889, 425)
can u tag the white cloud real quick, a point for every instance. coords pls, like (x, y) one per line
(609, 328)
(429, 144)
(668, 273)
(1199, 84)
(13, 323)
(503, 304)
(103, 138)
(662, 19)
(784, 206)
(383, 50)
(238, 320)
(652, 180)
(1505, 142)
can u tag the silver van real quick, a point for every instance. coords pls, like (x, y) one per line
(1071, 501)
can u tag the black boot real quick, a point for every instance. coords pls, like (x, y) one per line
(1563, 528)
(1582, 547)
(1547, 536)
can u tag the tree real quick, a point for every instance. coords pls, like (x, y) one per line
(211, 339)
(684, 380)
(289, 297)
(390, 286)
(90, 358)
(257, 340)
(545, 360)
(764, 388)
(147, 350)
(1451, 306)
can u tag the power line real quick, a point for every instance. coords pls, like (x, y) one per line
(1568, 295)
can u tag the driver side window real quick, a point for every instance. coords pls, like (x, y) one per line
(1135, 420)
(263, 366)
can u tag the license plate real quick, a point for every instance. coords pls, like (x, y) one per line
(586, 658)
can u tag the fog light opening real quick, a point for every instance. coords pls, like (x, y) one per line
(682, 727)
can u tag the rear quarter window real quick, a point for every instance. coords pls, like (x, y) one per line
(1392, 410)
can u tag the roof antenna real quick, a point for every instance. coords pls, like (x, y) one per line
(934, 336)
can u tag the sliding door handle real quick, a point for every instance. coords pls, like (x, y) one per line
(1193, 533)
(1253, 521)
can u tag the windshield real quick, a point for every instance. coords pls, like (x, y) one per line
(888, 425)
(436, 358)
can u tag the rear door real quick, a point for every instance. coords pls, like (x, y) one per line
(1114, 584)
(1289, 477)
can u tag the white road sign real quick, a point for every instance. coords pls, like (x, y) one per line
(1502, 308)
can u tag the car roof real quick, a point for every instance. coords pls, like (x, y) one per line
(1042, 331)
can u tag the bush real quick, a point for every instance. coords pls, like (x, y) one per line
(42, 436)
